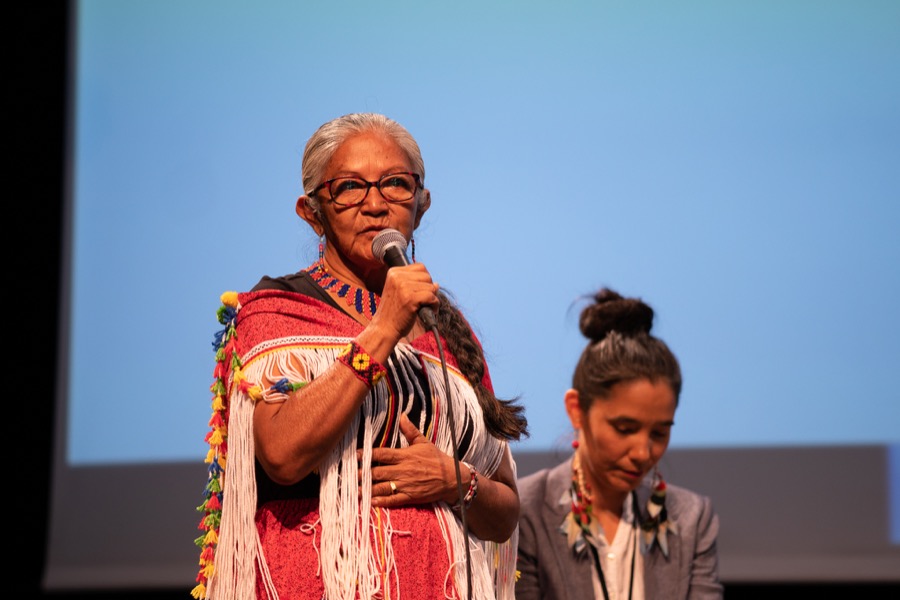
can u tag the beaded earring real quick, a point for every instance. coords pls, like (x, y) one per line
(412, 246)
(321, 246)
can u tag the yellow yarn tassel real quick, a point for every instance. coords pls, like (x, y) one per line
(229, 299)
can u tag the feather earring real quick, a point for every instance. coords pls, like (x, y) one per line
(656, 526)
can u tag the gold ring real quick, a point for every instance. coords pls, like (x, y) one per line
(393, 488)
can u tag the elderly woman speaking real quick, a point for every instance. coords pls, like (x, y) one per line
(350, 456)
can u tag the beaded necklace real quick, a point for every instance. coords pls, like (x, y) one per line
(582, 516)
(363, 301)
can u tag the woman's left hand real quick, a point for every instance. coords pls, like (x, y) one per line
(418, 474)
(422, 473)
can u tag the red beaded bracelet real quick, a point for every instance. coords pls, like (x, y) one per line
(367, 370)
(473, 488)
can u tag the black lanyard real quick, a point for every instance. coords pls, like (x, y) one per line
(634, 552)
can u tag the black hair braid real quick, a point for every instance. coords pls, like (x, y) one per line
(503, 418)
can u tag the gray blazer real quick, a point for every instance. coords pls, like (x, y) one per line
(549, 570)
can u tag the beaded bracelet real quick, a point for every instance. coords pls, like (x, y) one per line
(473, 488)
(367, 370)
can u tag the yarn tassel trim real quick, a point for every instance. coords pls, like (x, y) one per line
(231, 554)
(227, 361)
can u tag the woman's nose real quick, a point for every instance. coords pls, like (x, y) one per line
(640, 450)
(374, 199)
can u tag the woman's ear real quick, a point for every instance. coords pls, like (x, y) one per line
(308, 210)
(573, 408)
(424, 203)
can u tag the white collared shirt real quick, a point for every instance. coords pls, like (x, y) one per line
(615, 560)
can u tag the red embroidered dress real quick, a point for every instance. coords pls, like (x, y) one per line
(336, 545)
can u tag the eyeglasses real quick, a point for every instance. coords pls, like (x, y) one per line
(350, 191)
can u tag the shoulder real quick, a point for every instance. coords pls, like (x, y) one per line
(295, 282)
(685, 499)
(543, 506)
(691, 511)
(532, 483)
(300, 282)
(544, 487)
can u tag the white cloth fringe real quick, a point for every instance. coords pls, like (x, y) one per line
(348, 564)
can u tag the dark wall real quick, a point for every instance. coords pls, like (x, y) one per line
(33, 210)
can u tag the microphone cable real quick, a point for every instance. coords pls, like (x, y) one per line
(389, 246)
(456, 461)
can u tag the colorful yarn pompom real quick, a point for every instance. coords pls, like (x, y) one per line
(228, 365)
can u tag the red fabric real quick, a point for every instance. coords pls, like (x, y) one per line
(269, 314)
(419, 552)
(289, 540)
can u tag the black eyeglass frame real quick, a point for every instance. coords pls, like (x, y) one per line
(369, 186)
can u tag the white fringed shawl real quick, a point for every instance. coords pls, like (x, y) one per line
(347, 561)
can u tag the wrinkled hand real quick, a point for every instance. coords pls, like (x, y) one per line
(420, 473)
(406, 290)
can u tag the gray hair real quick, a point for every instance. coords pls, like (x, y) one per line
(328, 138)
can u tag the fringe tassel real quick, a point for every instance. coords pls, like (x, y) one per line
(238, 549)
(350, 564)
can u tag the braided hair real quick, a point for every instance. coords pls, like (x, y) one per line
(503, 418)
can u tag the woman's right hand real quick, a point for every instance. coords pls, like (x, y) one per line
(406, 290)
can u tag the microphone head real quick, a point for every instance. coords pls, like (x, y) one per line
(386, 239)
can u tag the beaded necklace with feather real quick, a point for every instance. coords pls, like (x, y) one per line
(582, 521)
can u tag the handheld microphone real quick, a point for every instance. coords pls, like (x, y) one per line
(389, 246)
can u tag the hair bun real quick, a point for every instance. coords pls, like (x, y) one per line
(611, 312)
